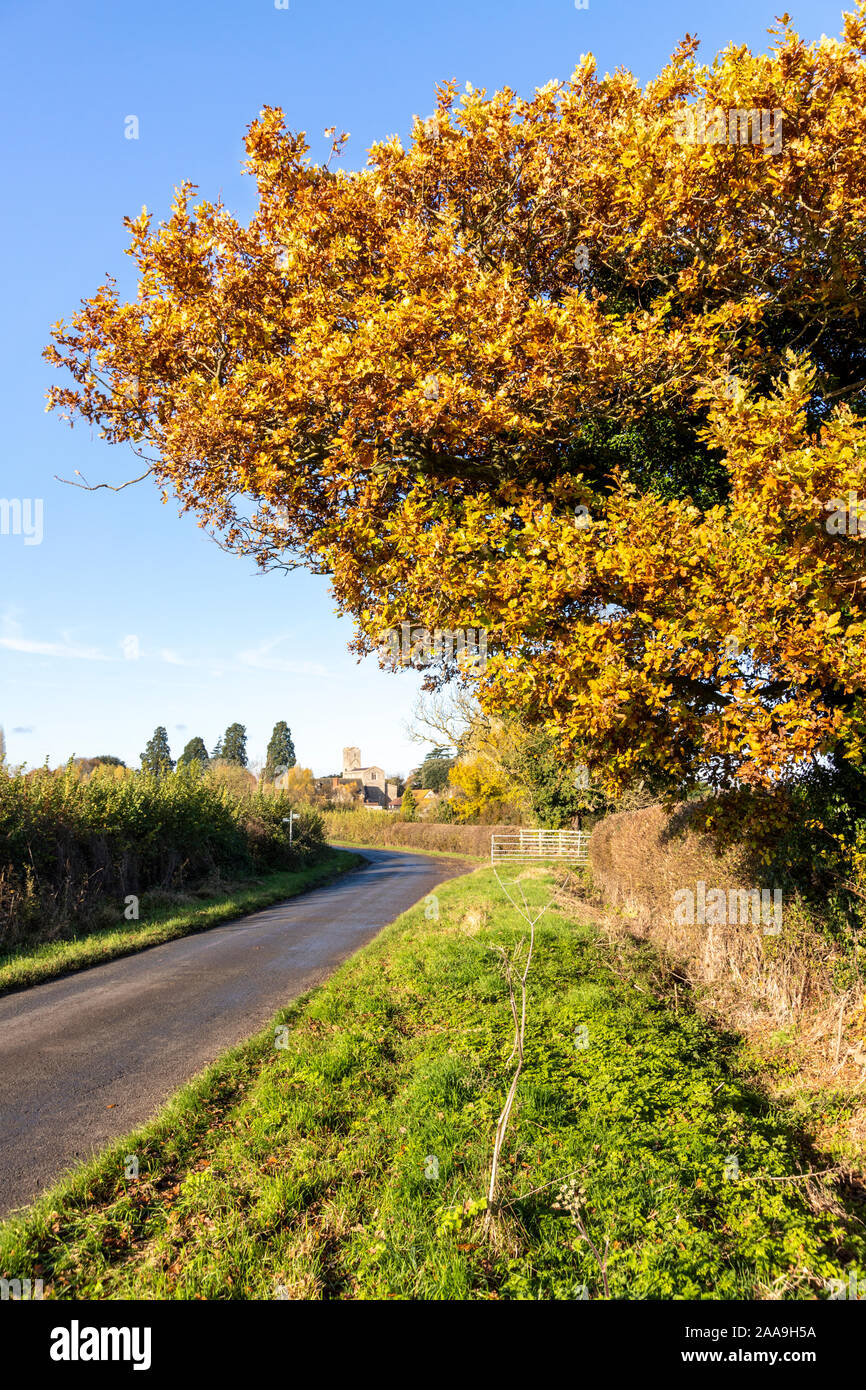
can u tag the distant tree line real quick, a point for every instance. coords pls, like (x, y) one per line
(230, 749)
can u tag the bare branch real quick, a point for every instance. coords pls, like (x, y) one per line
(94, 487)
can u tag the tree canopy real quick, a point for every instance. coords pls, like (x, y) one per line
(156, 757)
(281, 750)
(234, 745)
(432, 775)
(87, 765)
(195, 751)
(553, 371)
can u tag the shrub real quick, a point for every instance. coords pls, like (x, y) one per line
(68, 845)
(806, 972)
(381, 828)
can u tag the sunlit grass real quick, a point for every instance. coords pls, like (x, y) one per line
(309, 1172)
(163, 921)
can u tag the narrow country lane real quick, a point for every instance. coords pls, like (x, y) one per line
(85, 1059)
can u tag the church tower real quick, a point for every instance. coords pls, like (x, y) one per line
(351, 760)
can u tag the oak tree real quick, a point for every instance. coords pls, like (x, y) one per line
(555, 369)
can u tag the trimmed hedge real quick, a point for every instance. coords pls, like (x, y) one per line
(382, 828)
(69, 844)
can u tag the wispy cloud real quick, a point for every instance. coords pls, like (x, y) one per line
(263, 659)
(56, 649)
(267, 656)
(13, 640)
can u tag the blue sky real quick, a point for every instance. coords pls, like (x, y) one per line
(126, 616)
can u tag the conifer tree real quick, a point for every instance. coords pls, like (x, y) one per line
(156, 757)
(195, 751)
(234, 745)
(281, 750)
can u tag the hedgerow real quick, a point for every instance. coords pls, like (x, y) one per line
(68, 844)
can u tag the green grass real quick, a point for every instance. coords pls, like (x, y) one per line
(307, 1171)
(161, 921)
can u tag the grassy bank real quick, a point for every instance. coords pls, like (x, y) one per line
(165, 916)
(796, 994)
(342, 1165)
(345, 1164)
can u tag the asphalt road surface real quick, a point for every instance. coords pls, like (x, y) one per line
(85, 1059)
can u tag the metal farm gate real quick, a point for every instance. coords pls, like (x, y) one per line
(527, 845)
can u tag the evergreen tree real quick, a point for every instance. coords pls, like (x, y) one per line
(217, 750)
(559, 791)
(281, 750)
(433, 772)
(156, 757)
(409, 808)
(234, 745)
(195, 751)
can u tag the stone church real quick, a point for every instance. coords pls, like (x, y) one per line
(377, 791)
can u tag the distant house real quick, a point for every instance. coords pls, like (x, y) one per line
(377, 791)
(338, 792)
(425, 801)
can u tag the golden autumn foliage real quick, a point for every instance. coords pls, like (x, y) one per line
(552, 371)
(300, 784)
(483, 789)
(480, 791)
